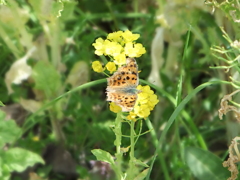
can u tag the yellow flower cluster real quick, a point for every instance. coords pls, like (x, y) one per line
(145, 103)
(118, 46)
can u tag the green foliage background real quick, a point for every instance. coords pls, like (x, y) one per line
(60, 106)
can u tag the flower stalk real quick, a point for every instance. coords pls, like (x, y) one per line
(117, 143)
(131, 172)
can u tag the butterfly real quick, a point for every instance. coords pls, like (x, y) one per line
(122, 86)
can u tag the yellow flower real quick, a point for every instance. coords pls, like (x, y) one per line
(113, 48)
(134, 50)
(140, 49)
(145, 89)
(111, 67)
(120, 59)
(129, 36)
(115, 36)
(131, 116)
(145, 103)
(129, 50)
(97, 66)
(115, 108)
(99, 46)
(142, 111)
(35, 138)
(152, 101)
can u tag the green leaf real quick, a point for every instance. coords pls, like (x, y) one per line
(1, 104)
(2, 115)
(46, 78)
(68, 12)
(142, 175)
(102, 155)
(6, 175)
(4, 171)
(140, 163)
(1, 170)
(9, 131)
(205, 165)
(17, 159)
(36, 5)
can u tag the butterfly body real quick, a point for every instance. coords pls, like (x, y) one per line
(122, 86)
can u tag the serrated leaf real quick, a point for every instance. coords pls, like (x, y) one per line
(9, 132)
(102, 155)
(57, 8)
(18, 159)
(205, 165)
(46, 78)
(142, 174)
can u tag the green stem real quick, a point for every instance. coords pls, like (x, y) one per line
(10, 44)
(55, 45)
(115, 22)
(118, 142)
(131, 170)
(56, 127)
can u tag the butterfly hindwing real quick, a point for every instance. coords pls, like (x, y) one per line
(125, 101)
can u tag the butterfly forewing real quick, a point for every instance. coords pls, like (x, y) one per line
(125, 76)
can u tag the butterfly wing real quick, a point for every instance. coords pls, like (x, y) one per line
(122, 85)
(125, 77)
(125, 101)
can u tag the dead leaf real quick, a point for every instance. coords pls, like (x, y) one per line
(30, 105)
(19, 71)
